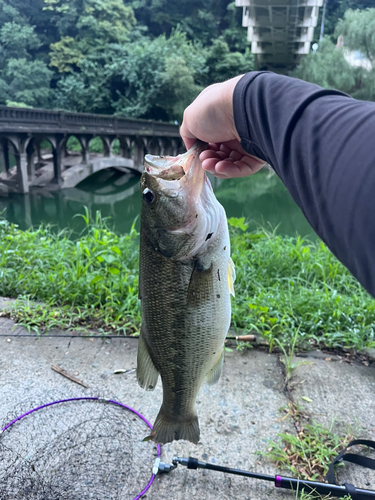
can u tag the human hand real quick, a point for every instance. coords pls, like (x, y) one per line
(210, 119)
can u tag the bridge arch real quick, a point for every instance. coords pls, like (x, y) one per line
(153, 146)
(78, 173)
(99, 144)
(22, 131)
(74, 142)
(123, 144)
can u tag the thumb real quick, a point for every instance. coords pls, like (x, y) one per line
(188, 138)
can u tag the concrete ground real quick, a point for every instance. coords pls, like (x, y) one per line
(237, 416)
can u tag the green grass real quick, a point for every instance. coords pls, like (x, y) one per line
(307, 455)
(284, 285)
(88, 282)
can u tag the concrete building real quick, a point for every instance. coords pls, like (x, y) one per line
(280, 31)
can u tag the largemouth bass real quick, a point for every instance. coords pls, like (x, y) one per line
(185, 279)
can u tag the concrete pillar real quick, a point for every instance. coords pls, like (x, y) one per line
(106, 146)
(112, 145)
(85, 141)
(138, 154)
(174, 147)
(31, 153)
(163, 145)
(125, 146)
(23, 182)
(153, 146)
(37, 142)
(57, 157)
(5, 155)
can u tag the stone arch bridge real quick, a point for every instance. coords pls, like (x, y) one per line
(23, 130)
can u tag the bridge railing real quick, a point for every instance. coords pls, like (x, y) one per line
(27, 117)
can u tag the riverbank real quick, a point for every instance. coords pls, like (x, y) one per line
(292, 291)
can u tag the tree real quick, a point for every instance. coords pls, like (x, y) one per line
(26, 82)
(203, 20)
(65, 55)
(92, 23)
(358, 31)
(327, 67)
(22, 79)
(145, 79)
(157, 78)
(223, 64)
(335, 10)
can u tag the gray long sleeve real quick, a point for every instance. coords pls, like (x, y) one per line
(321, 144)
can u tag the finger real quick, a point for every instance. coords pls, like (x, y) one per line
(230, 168)
(235, 155)
(208, 153)
(211, 166)
(232, 145)
(238, 168)
(214, 146)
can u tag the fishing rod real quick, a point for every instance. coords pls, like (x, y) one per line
(287, 483)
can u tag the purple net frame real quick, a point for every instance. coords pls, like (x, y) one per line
(93, 399)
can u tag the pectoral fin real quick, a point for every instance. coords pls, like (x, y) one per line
(214, 374)
(231, 273)
(147, 374)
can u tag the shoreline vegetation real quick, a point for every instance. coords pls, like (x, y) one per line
(290, 290)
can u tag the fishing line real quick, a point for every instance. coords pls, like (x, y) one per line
(74, 448)
(243, 338)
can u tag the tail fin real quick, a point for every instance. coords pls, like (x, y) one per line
(165, 431)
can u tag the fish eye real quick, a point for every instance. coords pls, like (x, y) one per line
(148, 196)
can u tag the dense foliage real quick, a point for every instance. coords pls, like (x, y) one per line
(335, 10)
(150, 58)
(285, 286)
(143, 58)
(329, 66)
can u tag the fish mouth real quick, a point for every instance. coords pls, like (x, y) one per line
(183, 177)
(186, 169)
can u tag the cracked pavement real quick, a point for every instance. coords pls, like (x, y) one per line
(238, 416)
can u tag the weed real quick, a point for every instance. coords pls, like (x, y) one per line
(287, 360)
(307, 455)
(315, 496)
(243, 346)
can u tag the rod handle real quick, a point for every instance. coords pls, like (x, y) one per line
(321, 488)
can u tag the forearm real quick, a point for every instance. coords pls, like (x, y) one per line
(322, 145)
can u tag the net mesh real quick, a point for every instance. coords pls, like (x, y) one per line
(74, 450)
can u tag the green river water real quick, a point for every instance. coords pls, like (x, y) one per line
(261, 199)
